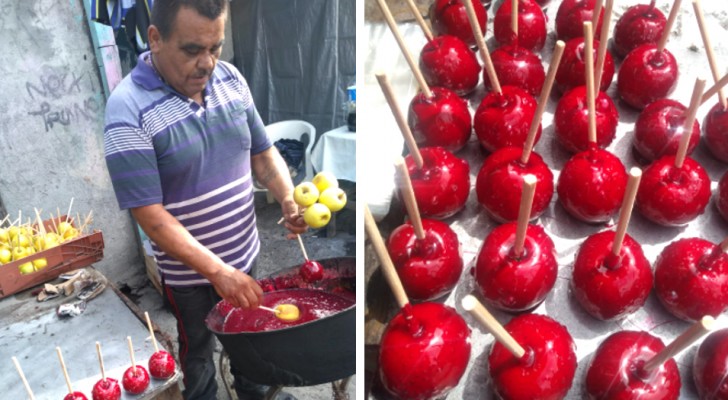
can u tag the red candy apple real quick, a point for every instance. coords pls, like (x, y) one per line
(673, 196)
(448, 62)
(691, 278)
(162, 365)
(449, 17)
(424, 351)
(516, 66)
(721, 201)
(442, 185)
(547, 369)
(135, 379)
(106, 389)
(571, 120)
(428, 268)
(503, 119)
(615, 370)
(515, 283)
(710, 366)
(640, 24)
(716, 132)
(75, 396)
(658, 129)
(646, 75)
(310, 271)
(531, 26)
(572, 66)
(572, 14)
(610, 287)
(442, 120)
(499, 183)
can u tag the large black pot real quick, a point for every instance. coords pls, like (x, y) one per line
(316, 352)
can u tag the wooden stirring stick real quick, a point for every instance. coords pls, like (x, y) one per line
(682, 342)
(303, 249)
(420, 21)
(489, 68)
(390, 273)
(709, 50)
(514, 19)
(22, 378)
(542, 101)
(65, 371)
(710, 92)
(403, 47)
(101, 361)
(524, 213)
(687, 127)
(409, 139)
(589, 74)
(603, 40)
(630, 193)
(151, 330)
(595, 14)
(473, 306)
(408, 194)
(668, 26)
(131, 352)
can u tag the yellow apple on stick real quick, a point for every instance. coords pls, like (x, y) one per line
(317, 215)
(324, 180)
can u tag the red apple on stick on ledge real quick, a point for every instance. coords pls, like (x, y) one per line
(658, 130)
(525, 28)
(161, 363)
(136, 378)
(106, 388)
(71, 394)
(449, 17)
(640, 24)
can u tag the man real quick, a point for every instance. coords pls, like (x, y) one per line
(181, 137)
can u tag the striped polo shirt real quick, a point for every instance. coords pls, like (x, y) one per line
(163, 147)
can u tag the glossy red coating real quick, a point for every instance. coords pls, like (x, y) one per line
(658, 130)
(500, 180)
(545, 372)
(615, 370)
(312, 271)
(161, 365)
(716, 132)
(710, 366)
(516, 283)
(608, 287)
(449, 17)
(503, 119)
(446, 61)
(646, 76)
(721, 201)
(570, 18)
(670, 196)
(106, 389)
(543, 3)
(531, 25)
(442, 185)
(135, 380)
(591, 185)
(691, 279)
(571, 120)
(640, 24)
(75, 396)
(428, 268)
(442, 120)
(571, 72)
(517, 66)
(426, 357)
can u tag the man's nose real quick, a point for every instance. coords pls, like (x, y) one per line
(206, 62)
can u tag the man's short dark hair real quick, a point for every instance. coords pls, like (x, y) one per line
(164, 12)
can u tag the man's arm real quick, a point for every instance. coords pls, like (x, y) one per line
(170, 235)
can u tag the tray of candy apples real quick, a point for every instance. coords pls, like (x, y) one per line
(575, 245)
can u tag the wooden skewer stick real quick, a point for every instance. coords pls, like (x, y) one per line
(596, 12)
(303, 249)
(668, 26)
(514, 19)
(151, 330)
(635, 175)
(58, 210)
(687, 127)
(420, 21)
(404, 128)
(403, 47)
(542, 101)
(53, 222)
(131, 352)
(70, 206)
(709, 50)
(473, 306)
(22, 377)
(390, 273)
(589, 73)
(101, 361)
(408, 195)
(603, 40)
(682, 342)
(39, 221)
(65, 371)
(714, 89)
(524, 213)
(489, 68)
(7, 216)
(273, 310)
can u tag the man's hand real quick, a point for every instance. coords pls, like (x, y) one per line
(291, 215)
(237, 287)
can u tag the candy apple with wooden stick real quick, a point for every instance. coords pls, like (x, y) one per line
(525, 28)
(105, 388)
(449, 17)
(72, 395)
(634, 365)
(710, 366)
(572, 14)
(658, 130)
(425, 347)
(136, 378)
(533, 357)
(640, 24)
(161, 363)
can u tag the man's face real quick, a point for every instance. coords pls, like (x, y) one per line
(187, 57)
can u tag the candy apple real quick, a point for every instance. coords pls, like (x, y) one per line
(517, 66)
(570, 18)
(503, 119)
(424, 351)
(449, 17)
(547, 369)
(716, 132)
(5, 256)
(135, 379)
(428, 268)
(161, 365)
(75, 396)
(441, 120)
(305, 194)
(571, 120)
(691, 278)
(640, 24)
(646, 76)
(106, 389)
(591, 185)
(317, 215)
(514, 283)
(721, 201)
(311, 271)
(610, 287)
(499, 183)
(442, 185)
(531, 25)
(572, 66)
(658, 129)
(615, 370)
(324, 180)
(673, 196)
(710, 366)
(446, 61)
(333, 198)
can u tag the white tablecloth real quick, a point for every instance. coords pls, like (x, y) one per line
(336, 152)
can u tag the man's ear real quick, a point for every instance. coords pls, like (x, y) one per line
(155, 38)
